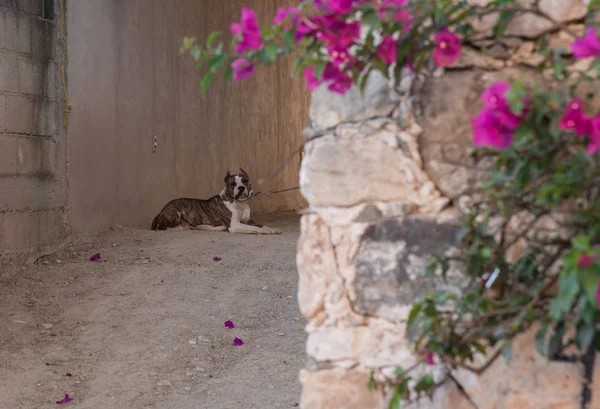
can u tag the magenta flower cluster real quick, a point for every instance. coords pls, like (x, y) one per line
(335, 27)
(496, 124)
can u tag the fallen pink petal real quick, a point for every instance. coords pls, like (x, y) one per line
(217, 258)
(238, 342)
(95, 257)
(65, 400)
(229, 324)
(68, 374)
(162, 281)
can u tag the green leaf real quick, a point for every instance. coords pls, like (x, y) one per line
(371, 18)
(582, 243)
(211, 38)
(414, 311)
(479, 347)
(504, 20)
(319, 68)
(215, 62)
(372, 385)
(569, 288)
(507, 351)
(364, 79)
(288, 39)
(195, 52)
(201, 61)
(228, 73)
(540, 338)
(590, 284)
(270, 52)
(585, 335)
(206, 82)
(297, 65)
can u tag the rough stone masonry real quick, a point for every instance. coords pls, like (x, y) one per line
(384, 191)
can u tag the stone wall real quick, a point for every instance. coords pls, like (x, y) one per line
(384, 191)
(32, 140)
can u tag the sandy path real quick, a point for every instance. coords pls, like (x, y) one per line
(144, 327)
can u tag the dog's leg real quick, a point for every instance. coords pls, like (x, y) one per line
(207, 227)
(248, 229)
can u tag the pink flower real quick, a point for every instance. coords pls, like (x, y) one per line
(393, 8)
(586, 46)
(598, 295)
(238, 342)
(494, 99)
(95, 257)
(242, 69)
(489, 131)
(312, 82)
(387, 50)
(229, 324)
(339, 55)
(339, 80)
(283, 13)
(338, 33)
(249, 31)
(447, 48)
(340, 6)
(586, 260)
(66, 399)
(574, 119)
(217, 258)
(429, 358)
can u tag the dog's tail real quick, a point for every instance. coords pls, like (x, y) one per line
(155, 222)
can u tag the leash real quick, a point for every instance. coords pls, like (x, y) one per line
(273, 192)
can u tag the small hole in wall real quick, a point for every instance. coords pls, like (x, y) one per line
(48, 6)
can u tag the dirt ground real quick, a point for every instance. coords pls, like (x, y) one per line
(143, 327)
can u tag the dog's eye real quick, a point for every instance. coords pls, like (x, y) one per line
(244, 180)
(233, 184)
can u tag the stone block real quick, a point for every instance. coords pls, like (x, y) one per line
(380, 344)
(8, 72)
(316, 265)
(44, 117)
(528, 381)
(43, 39)
(28, 229)
(19, 114)
(447, 133)
(391, 261)
(8, 155)
(338, 389)
(28, 155)
(390, 167)
(31, 75)
(328, 109)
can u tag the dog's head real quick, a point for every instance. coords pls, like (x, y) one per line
(238, 186)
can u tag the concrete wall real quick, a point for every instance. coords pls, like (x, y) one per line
(32, 143)
(128, 82)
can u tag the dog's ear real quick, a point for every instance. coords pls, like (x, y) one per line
(227, 176)
(244, 172)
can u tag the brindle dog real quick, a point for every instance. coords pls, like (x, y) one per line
(227, 211)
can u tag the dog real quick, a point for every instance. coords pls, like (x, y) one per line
(227, 211)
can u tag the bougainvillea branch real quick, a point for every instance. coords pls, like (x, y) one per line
(529, 247)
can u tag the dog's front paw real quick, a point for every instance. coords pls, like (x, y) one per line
(269, 230)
